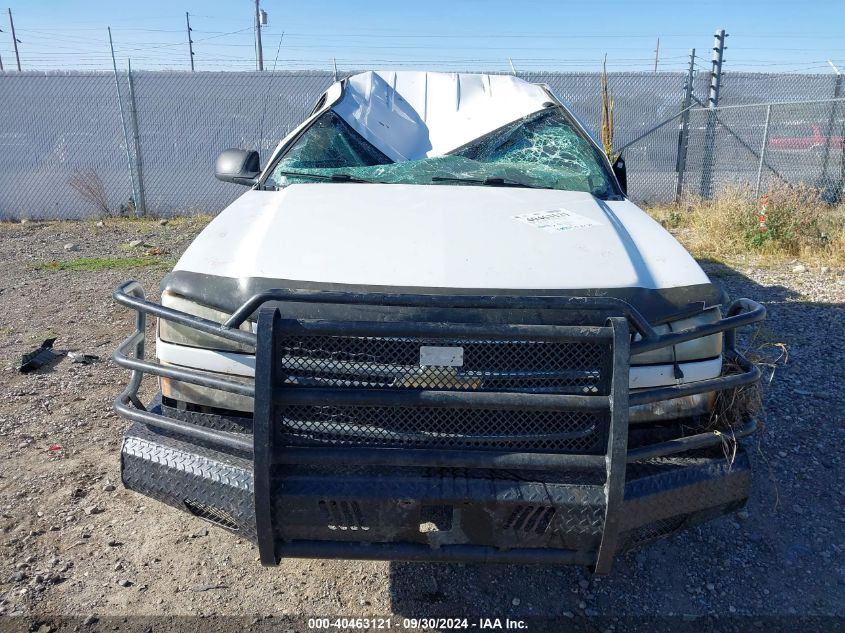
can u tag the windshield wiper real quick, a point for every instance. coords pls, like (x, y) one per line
(490, 181)
(328, 177)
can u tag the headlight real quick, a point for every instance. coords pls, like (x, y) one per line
(207, 397)
(697, 349)
(676, 408)
(183, 335)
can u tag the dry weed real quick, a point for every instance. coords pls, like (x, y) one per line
(798, 224)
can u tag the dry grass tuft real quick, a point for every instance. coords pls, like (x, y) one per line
(607, 125)
(799, 224)
(734, 407)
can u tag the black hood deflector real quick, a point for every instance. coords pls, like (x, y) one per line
(228, 294)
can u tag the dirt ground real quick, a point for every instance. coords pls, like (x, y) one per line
(74, 542)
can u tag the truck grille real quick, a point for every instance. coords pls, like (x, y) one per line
(442, 428)
(396, 363)
(487, 365)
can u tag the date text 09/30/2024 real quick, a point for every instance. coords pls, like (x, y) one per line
(387, 623)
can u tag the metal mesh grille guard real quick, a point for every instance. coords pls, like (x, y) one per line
(492, 395)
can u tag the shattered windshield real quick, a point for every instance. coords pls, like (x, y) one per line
(543, 150)
(330, 143)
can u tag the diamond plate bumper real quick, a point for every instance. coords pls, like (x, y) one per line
(436, 514)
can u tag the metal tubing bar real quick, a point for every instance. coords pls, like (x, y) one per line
(422, 553)
(735, 308)
(617, 446)
(650, 340)
(505, 401)
(309, 327)
(754, 313)
(130, 393)
(653, 128)
(139, 366)
(135, 378)
(777, 103)
(752, 374)
(617, 306)
(684, 444)
(195, 431)
(123, 296)
(132, 295)
(179, 373)
(421, 458)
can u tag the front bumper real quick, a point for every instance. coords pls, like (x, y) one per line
(312, 486)
(466, 515)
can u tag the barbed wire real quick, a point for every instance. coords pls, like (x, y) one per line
(306, 48)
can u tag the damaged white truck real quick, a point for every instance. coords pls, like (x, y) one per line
(436, 329)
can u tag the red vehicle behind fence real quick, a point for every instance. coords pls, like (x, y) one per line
(813, 141)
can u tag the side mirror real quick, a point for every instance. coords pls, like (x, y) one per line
(621, 173)
(239, 166)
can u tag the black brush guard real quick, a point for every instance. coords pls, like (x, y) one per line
(443, 468)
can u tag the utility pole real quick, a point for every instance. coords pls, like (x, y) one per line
(15, 40)
(656, 54)
(259, 52)
(683, 137)
(190, 41)
(712, 103)
(716, 73)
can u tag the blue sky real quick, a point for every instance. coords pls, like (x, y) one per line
(770, 35)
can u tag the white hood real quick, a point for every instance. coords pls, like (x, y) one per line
(440, 236)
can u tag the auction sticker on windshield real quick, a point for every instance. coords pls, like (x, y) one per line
(556, 220)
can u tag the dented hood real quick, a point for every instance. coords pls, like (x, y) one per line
(437, 238)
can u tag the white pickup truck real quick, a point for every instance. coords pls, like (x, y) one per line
(435, 328)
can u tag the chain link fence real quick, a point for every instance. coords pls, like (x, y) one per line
(64, 155)
(756, 145)
(54, 128)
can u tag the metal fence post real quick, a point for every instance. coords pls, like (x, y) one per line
(840, 182)
(763, 151)
(834, 109)
(712, 103)
(683, 138)
(140, 202)
(123, 123)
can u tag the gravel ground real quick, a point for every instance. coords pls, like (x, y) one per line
(74, 542)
